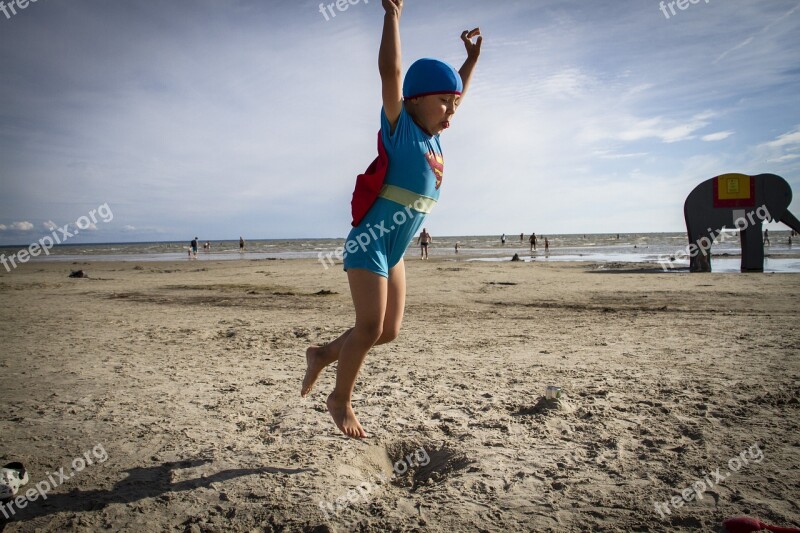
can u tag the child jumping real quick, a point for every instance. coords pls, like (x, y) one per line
(389, 206)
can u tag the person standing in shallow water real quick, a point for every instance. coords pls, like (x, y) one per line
(424, 240)
(414, 114)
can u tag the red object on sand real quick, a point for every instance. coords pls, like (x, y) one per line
(368, 184)
(745, 524)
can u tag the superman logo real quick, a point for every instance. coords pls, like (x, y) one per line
(436, 163)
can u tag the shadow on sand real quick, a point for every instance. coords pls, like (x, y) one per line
(139, 484)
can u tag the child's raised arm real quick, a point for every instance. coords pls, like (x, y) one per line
(473, 51)
(390, 61)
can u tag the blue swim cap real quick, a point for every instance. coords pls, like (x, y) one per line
(431, 76)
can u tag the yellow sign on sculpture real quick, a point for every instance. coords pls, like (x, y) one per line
(733, 187)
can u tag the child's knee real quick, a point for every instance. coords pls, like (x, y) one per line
(371, 331)
(389, 334)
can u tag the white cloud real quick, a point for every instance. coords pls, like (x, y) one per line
(3, 227)
(49, 225)
(782, 149)
(787, 139)
(22, 226)
(128, 228)
(641, 88)
(740, 45)
(718, 136)
(763, 30)
(629, 128)
(784, 158)
(568, 84)
(606, 154)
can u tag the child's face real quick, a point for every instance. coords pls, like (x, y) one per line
(433, 112)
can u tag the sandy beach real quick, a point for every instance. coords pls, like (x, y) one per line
(179, 383)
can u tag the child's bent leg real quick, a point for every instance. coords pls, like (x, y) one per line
(395, 303)
(318, 357)
(369, 292)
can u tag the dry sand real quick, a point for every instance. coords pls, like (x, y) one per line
(187, 375)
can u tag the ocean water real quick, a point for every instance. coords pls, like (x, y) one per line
(623, 247)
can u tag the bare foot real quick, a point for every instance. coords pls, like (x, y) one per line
(345, 418)
(315, 364)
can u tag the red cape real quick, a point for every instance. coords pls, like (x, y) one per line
(368, 184)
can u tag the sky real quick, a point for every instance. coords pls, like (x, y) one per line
(221, 118)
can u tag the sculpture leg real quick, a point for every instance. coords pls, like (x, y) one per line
(704, 260)
(700, 256)
(752, 249)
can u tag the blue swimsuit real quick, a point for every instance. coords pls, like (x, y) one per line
(411, 189)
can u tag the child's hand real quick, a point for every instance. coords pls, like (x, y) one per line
(393, 7)
(473, 49)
